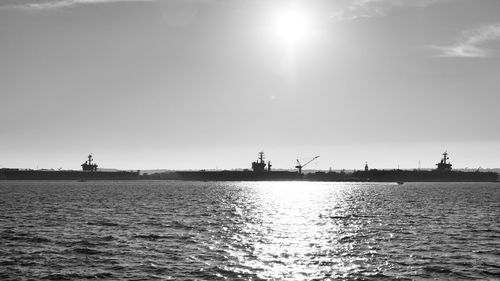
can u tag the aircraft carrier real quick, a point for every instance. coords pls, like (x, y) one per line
(89, 171)
(261, 171)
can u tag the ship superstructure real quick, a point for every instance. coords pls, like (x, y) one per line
(259, 166)
(88, 165)
(443, 165)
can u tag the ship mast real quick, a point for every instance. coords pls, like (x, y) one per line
(445, 157)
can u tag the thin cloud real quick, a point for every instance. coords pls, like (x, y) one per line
(55, 4)
(471, 44)
(377, 8)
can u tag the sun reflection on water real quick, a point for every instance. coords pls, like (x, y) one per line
(298, 230)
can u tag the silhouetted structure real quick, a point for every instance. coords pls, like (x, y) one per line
(259, 173)
(442, 173)
(259, 166)
(443, 165)
(300, 166)
(89, 172)
(88, 165)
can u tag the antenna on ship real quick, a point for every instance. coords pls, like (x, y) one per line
(261, 157)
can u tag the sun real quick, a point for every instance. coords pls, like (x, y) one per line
(291, 27)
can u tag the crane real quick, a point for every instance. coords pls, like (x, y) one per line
(300, 166)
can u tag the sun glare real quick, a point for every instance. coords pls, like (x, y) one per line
(291, 27)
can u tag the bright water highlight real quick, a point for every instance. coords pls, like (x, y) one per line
(249, 231)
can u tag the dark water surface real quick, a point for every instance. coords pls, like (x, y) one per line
(249, 231)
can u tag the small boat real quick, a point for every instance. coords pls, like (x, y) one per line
(400, 182)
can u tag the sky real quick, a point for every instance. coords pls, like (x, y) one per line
(206, 84)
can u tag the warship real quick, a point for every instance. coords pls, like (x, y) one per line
(442, 173)
(89, 172)
(263, 172)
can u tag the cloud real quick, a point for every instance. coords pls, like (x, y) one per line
(376, 8)
(54, 4)
(471, 43)
(175, 12)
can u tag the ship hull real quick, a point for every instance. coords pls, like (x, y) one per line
(426, 176)
(364, 176)
(14, 174)
(237, 176)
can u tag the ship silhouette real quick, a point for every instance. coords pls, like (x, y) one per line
(260, 172)
(263, 172)
(89, 172)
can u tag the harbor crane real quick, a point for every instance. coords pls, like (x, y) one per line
(300, 166)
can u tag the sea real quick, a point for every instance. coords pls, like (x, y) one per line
(181, 230)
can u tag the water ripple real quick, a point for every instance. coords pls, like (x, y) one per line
(248, 231)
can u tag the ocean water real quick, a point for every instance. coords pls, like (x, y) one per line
(169, 230)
